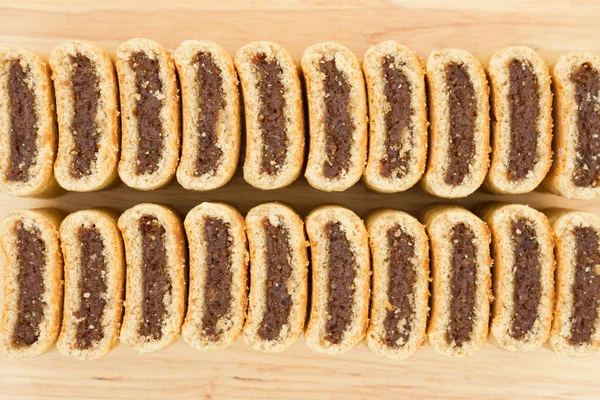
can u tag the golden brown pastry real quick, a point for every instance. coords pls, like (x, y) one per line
(27, 125)
(459, 139)
(522, 127)
(32, 287)
(523, 276)
(399, 301)
(337, 113)
(218, 276)
(155, 297)
(576, 327)
(278, 277)
(211, 115)
(340, 280)
(398, 117)
(87, 106)
(461, 283)
(575, 173)
(150, 114)
(94, 284)
(274, 115)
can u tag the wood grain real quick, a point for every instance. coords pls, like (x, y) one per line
(180, 371)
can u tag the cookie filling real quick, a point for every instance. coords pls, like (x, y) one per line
(84, 84)
(401, 285)
(462, 117)
(93, 288)
(341, 267)
(217, 286)
(586, 286)
(31, 259)
(277, 300)
(211, 100)
(398, 142)
(337, 120)
(148, 105)
(155, 278)
(524, 100)
(587, 165)
(23, 120)
(463, 275)
(527, 278)
(272, 113)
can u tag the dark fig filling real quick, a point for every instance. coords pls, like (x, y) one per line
(272, 113)
(341, 266)
(401, 287)
(524, 100)
(23, 121)
(148, 105)
(397, 120)
(218, 281)
(278, 300)
(463, 277)
(211, 101)
(156, 283)
(527, 279)
(338, 121)
(84, 84)
(587, 165)
(93, 288)
(586, 286)
(31, 259)
(463, 116)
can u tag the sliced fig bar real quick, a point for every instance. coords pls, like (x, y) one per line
(32, 282)
(94, 284)
(340, 265)
(586, 80)
(150, 114)
(398, 117)
(211, 115)
(576, 168)
(218, 276)
(399, 302)
(576, 325)
(274, 115)
(156, 287)
(522, 128)
(28, 132)
(278, 277)
(87, 106)
(337, 115)
(522, 245)
(459, 104)
(461, 292)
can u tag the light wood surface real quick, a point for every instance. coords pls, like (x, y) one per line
(183, 372)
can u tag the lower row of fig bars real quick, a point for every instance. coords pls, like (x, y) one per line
(142, 255)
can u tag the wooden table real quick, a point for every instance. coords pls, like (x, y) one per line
(183, 372)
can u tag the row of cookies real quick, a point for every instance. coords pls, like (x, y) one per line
(382, 106)
(367, 280)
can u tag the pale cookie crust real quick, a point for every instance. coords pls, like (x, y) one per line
(346, 62)
(356, 234)
(103, 170)
(40, 182)
(439, 221)
(47, 222)
(414, 138)
(228, 123)
(433, 181)
(297, 284)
